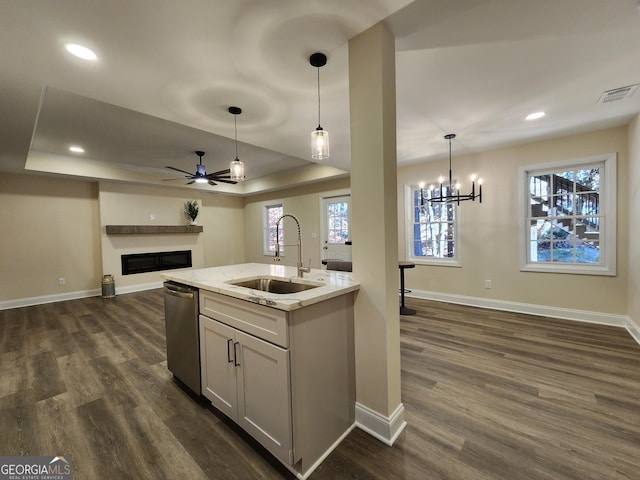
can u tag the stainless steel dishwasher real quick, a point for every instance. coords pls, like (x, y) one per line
(183, 343)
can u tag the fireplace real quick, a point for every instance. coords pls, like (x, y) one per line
(156, 261)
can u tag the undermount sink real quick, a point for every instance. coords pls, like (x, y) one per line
(275, 285)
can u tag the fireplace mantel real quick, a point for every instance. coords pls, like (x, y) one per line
(151, 229)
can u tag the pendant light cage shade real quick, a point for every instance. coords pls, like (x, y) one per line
(319, 144)
(319, 137)
(236, 167)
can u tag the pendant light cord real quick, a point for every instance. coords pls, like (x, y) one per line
(235, 127)
(318, 68)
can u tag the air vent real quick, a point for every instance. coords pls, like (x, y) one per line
(617, 94)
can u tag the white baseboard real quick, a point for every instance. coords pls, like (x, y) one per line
(633, 330)
(324, 456)
(138, 288)
(29, 301)
(385, 429)
(541, 310)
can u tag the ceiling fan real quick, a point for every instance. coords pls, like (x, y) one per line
(201, 175)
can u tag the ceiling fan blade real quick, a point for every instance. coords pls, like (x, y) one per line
(218, 173)
(211, 182)
(170, 179)
(178, 170)
(232, 182)
(189, 183)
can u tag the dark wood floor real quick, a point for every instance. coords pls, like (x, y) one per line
(488, 395)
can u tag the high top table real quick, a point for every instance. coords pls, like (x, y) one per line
(403, 266)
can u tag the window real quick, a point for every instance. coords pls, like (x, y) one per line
(335, 218)
(338, 221)
(432, 228)
(270, 215)
(570, 216)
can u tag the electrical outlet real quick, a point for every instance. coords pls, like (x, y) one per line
(152, 217)
(487, 284)
(62, 281)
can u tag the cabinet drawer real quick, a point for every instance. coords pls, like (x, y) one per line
(263, 322)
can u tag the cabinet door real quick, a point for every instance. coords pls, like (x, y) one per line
(217, 345)
(264, 395)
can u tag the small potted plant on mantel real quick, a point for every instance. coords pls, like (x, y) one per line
(191, 210)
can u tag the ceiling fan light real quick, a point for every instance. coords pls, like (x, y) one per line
(319, 144)
(236, 170)
(201, 180)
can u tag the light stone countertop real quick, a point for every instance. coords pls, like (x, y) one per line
(216, 279)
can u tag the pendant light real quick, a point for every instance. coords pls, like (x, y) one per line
(453, 193)
(319, 137)
(236, 168)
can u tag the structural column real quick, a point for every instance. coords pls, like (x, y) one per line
(372, 94)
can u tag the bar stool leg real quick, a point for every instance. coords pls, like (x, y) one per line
(404, 310)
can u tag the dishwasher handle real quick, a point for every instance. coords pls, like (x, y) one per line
(177, 291)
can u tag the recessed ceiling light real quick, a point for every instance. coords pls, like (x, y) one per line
(535, 115)
(80, 51)
(76, 149)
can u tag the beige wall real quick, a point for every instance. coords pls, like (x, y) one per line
(491, 230)
(222, 218)
(54, 228)
(304, 203)
(633, 285)
(126, 204)
(50, 230)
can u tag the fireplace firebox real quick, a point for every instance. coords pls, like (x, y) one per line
(156, 261)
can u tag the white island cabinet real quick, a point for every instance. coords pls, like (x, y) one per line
(280, 365)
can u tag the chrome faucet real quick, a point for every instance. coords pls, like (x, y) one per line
(301, 269)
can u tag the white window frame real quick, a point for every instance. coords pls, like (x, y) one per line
(608, 196)
(265, 227)
(456, 260)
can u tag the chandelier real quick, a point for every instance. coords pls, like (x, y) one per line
(453, 192)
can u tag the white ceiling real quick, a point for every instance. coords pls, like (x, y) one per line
(168, 71)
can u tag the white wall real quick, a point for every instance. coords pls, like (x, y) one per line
(491, 236)
(126, 204)
(50, 230)
(633, 284)
(54, 228)
(304, 203)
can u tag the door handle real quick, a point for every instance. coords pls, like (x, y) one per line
(229, 342)
(235, 354)
(177, 293)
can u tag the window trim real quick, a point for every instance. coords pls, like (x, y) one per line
(456, 261)
(608, 205)
(265, 226)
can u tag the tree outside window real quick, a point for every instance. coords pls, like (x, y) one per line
(433, 227)
(271, 214)
(570, 217)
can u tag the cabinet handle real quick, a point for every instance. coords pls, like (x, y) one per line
(229, 342)
(235, 355)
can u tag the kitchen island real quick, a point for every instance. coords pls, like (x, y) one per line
(280, 365)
